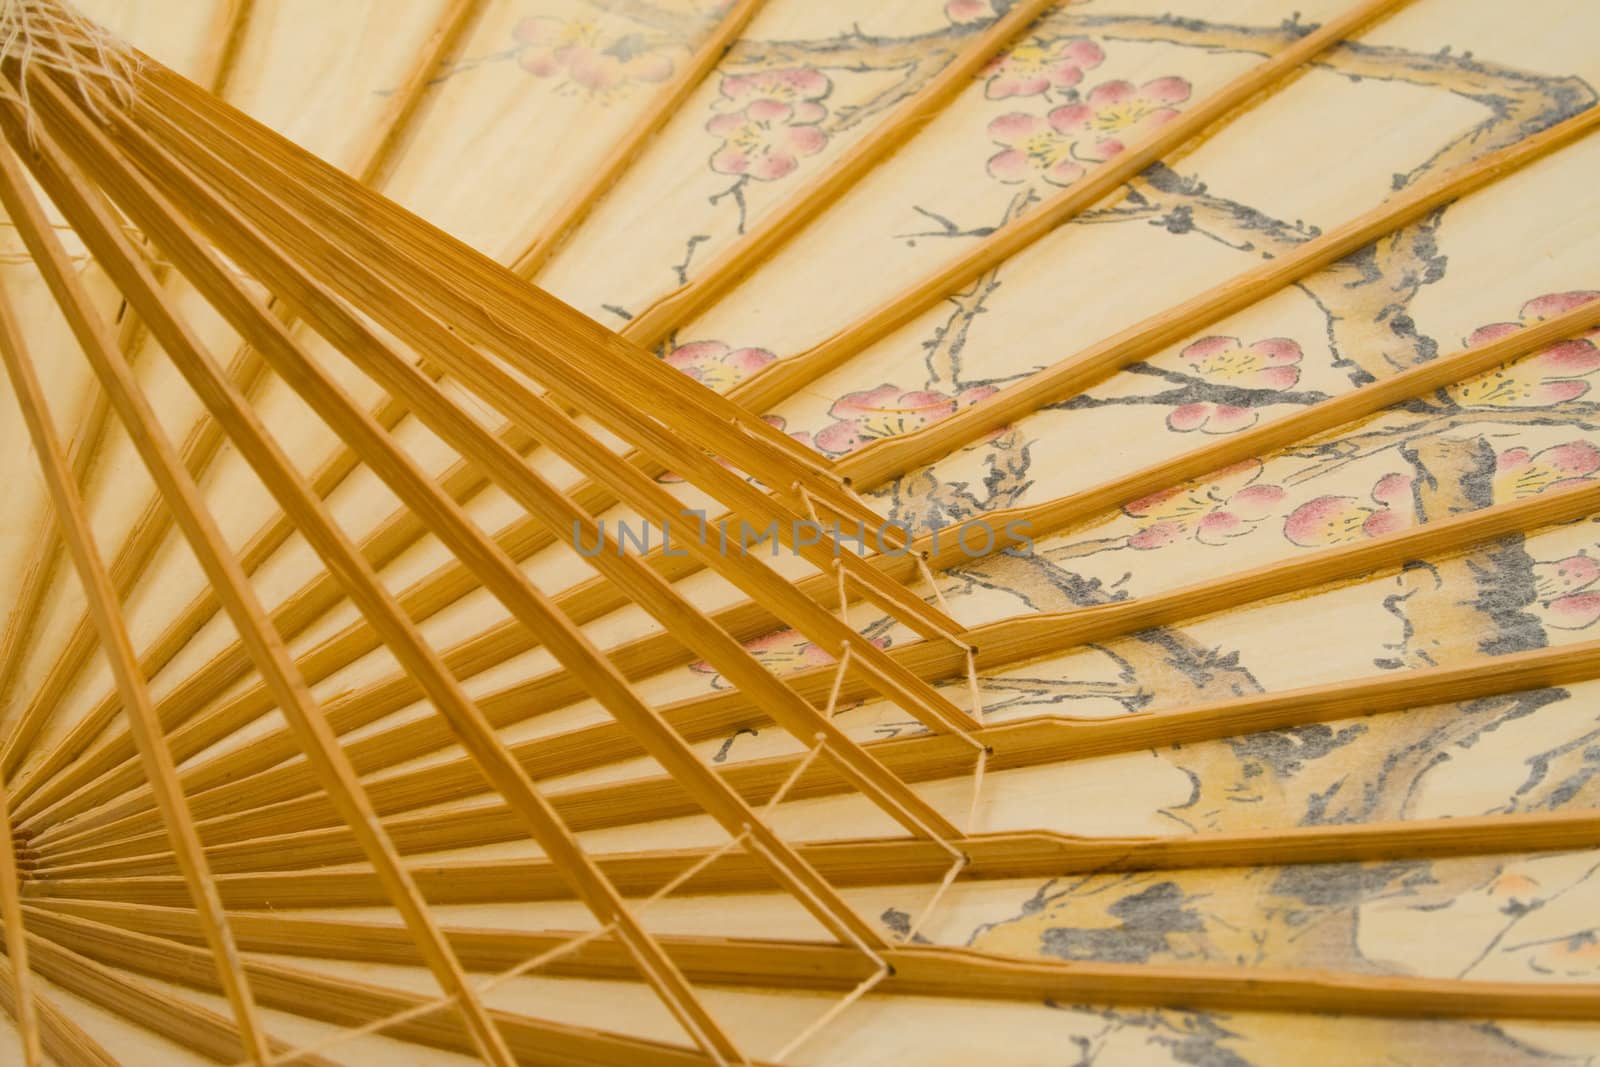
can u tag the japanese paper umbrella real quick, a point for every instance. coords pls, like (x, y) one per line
(653, 532)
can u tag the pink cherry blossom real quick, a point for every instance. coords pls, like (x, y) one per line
(1033, 147)
(775, 125)
(1521, 473)
(1551, 376)
(1039, 65)
(1337, 520)
(1264, 365)
(1563, 590)
(1056, 147)
(886, 411)
(1227, 505)
(967, 12)
(554, 47)
(791, 84)
(715, 365)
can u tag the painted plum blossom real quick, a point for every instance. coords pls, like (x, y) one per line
(969, 12)
(1270, 365)
(887, 411)
(1039, 66)
(1056, 146)
(1565, 592)
(1229, 504)
(716, 365)
(1521, 473)
(1550, 376)
(774, 123)
(581, 54)
(1339, 520)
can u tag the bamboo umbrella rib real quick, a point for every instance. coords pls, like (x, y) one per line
(303, 832)
(61, 1039)
(353, 1004)
(1106, 180)
(128, 566)
(201, 533)
(869, 862)
(1033, 742)
(313, 521)
(1082, 369)
(23, 1006)
(939, 971)
(224, 45)
(503, 579)
(557, 229)
(175, 1018)
(104, 605)
(653, 325)
(22, 621)
(1031, 637)
(225, 41)
(377, 158)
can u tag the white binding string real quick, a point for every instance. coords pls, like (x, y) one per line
(429, 1007)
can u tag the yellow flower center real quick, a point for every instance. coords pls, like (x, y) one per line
(1120, 116)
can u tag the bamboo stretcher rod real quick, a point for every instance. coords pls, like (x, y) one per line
(148, 532)
(130, 848)
(541, 419)
(871, 862)
(564, 350)
(106, 769)
(352, 1004)
(377, 157)
(175, 1018)
(677, 308)
(62, 1039)
(931, 971)
(1044, 511)
(25, 615)
(1084, 368)
(775, 229)
(494, 299)
(50, 257)
(22, 1001)
(388, 134)
(643, 586)
(535, 322)
(566, 219)
(304, 832)
(501, 576)
(313, 521)
(128, 566)
(155, 523)
(96, 226)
